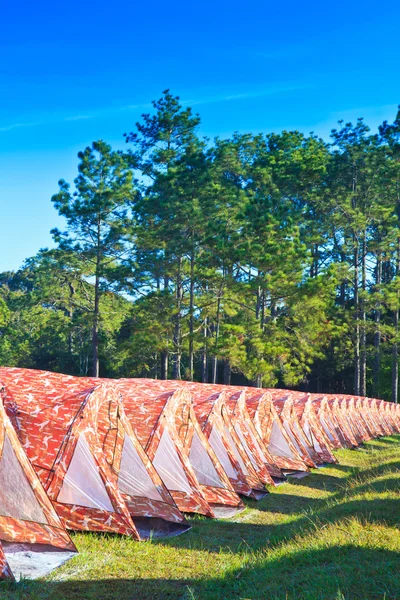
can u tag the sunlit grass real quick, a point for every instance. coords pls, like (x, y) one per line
(331, 536)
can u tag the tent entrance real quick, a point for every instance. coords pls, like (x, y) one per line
(135, 481)
(133, 478)
(82, 485)
(217, 445)
(278, 445)
(202, 464)
(24, 559)
(22, 504)
(170, 467)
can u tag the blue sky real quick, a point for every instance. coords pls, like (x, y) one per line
(72, 72)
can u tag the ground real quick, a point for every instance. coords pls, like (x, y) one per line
(331, 536)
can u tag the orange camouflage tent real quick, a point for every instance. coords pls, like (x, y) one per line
(162, 416)
(328, 421)
(249, 438)
(87, 456)
(393, 417)
(347, 431)
(269, 426)
(284, 404)
(31, 533)
(215, 418)
(262, 461)
(346, 407)
(312, 428)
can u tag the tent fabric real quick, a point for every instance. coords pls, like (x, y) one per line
(355, 404)
(385, 415)
(235, 402)
(303, 405)
(356, 419)
(82, 483)
(328, 421)
(346, 408)
(74, 433)
(171, 469)
(298, 425)
(163, 417)
(262, 461)
(360, 412)
(270, 428)
(202, 464)
(214, 416)
(133, 477)
(51, 412)
(26, 514)
(250, 441)
(347, 416)
(363, 414)
(127, 456)
(373, 407)
(342, 422)
(148, 499)
(5, 571)
(391, 415)
(395, 409)
(284, 404)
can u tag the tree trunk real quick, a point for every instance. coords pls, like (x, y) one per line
(258, 302)
(363, 364)
(191, 307)
(204, 356)
(176, 364)
(71, 316)
(343, 283)
(156, 366)
(164, 354)
(227, 372)
(357, 326)
(315, 261)
(395, 347)
(96, 310)
(214, 358)
(95, 334)
(377, 334)
(164, 365)
(395, 358)
(356, 283)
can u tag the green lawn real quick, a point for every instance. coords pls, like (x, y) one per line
(333, 535)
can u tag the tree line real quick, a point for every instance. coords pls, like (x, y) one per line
(272, 260)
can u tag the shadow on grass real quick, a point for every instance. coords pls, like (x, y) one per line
(386, 467)
(242, 537)
(347, 572)
(285, 504)
(389, 439)
(376, 445)
(320, 481)
(389, 484)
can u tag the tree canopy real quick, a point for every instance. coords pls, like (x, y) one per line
(268, 259)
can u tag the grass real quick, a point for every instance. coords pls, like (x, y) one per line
(331, 536)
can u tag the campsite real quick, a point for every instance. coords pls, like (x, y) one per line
(199, 300)
(123, 463)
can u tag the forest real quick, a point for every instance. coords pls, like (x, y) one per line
(266, 259)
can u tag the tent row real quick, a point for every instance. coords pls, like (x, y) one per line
(135, 456)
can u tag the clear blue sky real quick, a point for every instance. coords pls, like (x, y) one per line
(72, 72)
